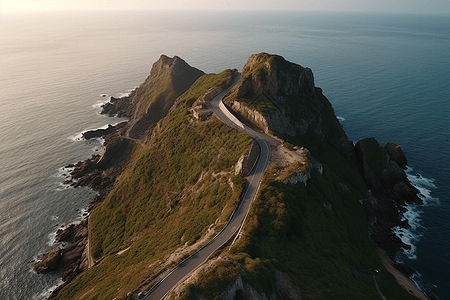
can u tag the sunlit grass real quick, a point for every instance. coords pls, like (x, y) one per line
(167, 197)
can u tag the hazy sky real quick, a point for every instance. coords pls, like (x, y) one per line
(389, 6)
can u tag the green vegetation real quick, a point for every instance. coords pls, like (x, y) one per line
(175, 186)
(203, 84)
(152, 89)
(317, 234)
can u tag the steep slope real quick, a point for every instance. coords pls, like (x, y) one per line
(311, 233)
(151, 101)
(308, 233)
(177, 190)
(280, 97)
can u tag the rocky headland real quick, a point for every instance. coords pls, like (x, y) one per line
(277, 97)
(145, 107)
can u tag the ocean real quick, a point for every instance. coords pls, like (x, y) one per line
(387, 77)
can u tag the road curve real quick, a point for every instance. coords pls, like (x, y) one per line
(180, 272)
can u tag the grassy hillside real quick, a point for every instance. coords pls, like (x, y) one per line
(169, 78)
(316, 234)
(175, 187)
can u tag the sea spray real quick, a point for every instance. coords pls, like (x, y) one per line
(410, 236)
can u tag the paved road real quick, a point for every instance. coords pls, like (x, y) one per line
(160, 290)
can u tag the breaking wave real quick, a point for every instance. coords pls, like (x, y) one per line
(413, 214)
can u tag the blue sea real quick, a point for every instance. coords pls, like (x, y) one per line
(387, 76)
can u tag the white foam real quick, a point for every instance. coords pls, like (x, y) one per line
(52, 239)
(79, 136)
(424, 185)
(83, 214)
(100, 103)
(412, 235)
(45, 294)
(63, 172)
(126, 93)
(416, 278)
(340, 119)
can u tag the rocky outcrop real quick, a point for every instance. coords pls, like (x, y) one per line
(396, 154)
(279, 97)
(71, 256)
(67, 256)
(304, 176)
(145, 107)
(200, 109)
(382, 173)
(246, 162)
(241, 288)
(102, 132)
(49, 261)
(66, 234)
(119, 107)
(152, 100)
(390, 191)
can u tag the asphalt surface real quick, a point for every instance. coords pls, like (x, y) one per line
(163, 287)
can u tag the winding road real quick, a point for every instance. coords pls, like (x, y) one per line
(237, 219)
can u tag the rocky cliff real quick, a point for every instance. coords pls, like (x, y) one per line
(145, 106)
(323, 169)
(280, 97)
(389, 191)
(310, 233)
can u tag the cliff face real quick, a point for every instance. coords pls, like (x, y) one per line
(389, 191)
(151, 101)
(280, 97)
(145, 106)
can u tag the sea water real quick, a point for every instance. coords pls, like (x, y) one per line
(387, 77)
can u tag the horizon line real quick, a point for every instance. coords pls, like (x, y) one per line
(242, 10)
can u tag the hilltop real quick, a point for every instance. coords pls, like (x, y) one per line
(171, 176)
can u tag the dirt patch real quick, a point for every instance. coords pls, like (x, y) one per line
(283, 157)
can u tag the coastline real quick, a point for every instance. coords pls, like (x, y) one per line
(402, 279)
(99, 173)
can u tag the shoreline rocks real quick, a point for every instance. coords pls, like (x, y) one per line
(382, 168)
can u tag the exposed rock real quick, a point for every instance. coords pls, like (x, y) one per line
(279, 97)
(102, 132)
(246, 162)
(200, 109)
(390, 191)
(72, 256)
(50, 261)
(381, 174)
(396, 154)
(120, 107)
(304, 176)
(66, 234)
(169, 78)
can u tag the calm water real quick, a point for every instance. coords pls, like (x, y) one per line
(387, 77)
